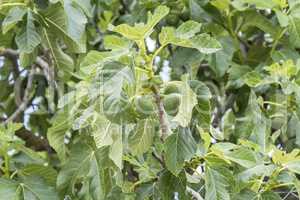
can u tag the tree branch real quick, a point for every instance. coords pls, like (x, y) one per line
(25, 100)
(34, 142)
(48, 71)
(161, 114)
(13, 56)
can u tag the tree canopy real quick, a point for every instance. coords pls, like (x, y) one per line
(149, 99)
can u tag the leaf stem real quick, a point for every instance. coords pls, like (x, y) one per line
(161, 114)
(274, 103)
(156, 53)
(13, 174)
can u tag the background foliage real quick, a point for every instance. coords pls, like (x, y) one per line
(140, 99)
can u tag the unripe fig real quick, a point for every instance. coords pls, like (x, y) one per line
(171, 103)
(171, 88)
(144, 105)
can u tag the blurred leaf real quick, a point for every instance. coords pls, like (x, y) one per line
(30, 188)
(56, 134)
(168, 183)
(85, 164)
(215, 185)
(141, 138)
(179, 147)
(140, 31)
(28, 38)
(12, 18)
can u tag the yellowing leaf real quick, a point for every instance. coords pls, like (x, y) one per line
(286, 69)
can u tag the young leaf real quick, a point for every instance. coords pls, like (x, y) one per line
(187, 29)
(140, 31)
(205, 43)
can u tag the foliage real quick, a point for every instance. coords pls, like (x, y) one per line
(163, 99)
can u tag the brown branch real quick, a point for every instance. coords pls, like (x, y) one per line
(13, 56)
(49, 73)
(34, 142)
(161, 114)
(47, 69)
(25, 100)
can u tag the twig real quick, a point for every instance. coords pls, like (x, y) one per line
(35, 142)
(195, 194)
(25, 100)
(47, 69)
(32, 141)
(13, 56)
(49, 73)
